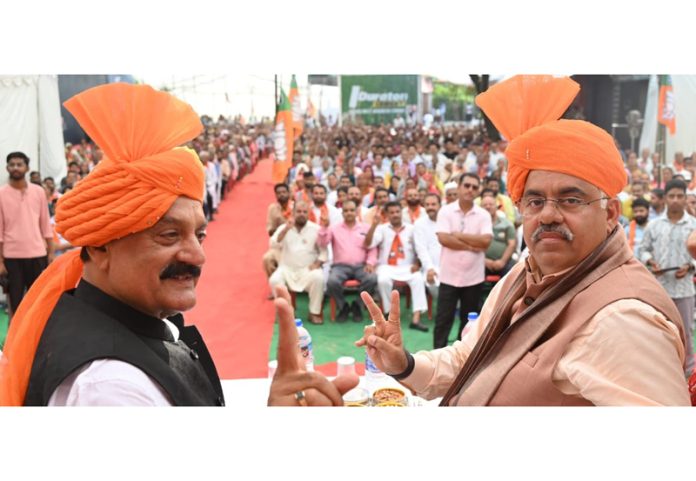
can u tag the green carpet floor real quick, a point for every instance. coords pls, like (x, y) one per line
(332, 340)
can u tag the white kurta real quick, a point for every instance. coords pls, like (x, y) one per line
(386, 274)
(428, 249)
(299, 250)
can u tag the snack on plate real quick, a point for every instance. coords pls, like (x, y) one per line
(389, 395)
(392, 404)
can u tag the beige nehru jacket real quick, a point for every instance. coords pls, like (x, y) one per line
(628, 354)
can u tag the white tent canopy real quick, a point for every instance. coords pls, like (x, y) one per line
(30, 122)
(683, 140)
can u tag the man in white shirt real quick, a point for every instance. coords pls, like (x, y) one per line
(320, 208)
(413, 210)
(380, 167)
(301, 259)
(428, 247)
(397, 262)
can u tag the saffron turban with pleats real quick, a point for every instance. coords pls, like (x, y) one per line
(526, 110)
(143, 172)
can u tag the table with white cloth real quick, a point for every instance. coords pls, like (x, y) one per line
(242, 393)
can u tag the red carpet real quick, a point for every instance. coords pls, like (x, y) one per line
(232, 312)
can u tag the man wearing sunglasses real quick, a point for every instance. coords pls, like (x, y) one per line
(465, 232)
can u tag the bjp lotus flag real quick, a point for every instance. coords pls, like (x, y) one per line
(283, 140)
(296, 108)
(665, 105)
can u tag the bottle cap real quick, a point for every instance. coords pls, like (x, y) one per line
(472, 316)
(298, 322)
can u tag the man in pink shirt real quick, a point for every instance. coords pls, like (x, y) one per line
(26, 237)
(464, 230)
(350, 259)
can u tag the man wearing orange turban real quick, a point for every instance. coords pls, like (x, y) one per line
(581, 321)
(102, 325)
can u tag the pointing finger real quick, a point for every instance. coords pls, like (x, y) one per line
(288, 350)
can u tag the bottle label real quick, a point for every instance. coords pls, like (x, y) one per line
(307, 352)
(370, 366)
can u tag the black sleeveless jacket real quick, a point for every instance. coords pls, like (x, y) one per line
(88, 324)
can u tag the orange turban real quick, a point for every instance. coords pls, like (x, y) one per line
(526, 110)
(141, 175)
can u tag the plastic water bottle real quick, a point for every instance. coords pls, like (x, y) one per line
(374, 378)
(472, 319)
(305, 345)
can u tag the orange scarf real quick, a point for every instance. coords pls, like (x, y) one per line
(397, 249)
(141, 175)
(632, 234)
(304, 196)
(414, 214)
(288, 210)
(324, 214)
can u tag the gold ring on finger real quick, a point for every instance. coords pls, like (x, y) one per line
(301, 398)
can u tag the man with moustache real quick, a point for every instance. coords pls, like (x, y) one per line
(428, 247)
(413, 210)
(102, 326)
(320, 209)
(26, 236)
(351, 260)
(397, 261)
(636, 228)
(581, 321)
(355, 195)
(301, 259)
(465, 232)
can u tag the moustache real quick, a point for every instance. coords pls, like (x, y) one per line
(556, 228)
(180, 269)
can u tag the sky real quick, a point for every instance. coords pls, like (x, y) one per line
(244, 93)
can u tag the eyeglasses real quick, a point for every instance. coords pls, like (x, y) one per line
(470, 186)
(567, 205)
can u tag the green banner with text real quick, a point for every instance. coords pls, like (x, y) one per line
(376, 99)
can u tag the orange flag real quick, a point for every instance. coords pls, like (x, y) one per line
(665, 107)
(283, 140)
(296, 108)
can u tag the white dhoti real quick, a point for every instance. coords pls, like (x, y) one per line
(386, 275)
(301, 280)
